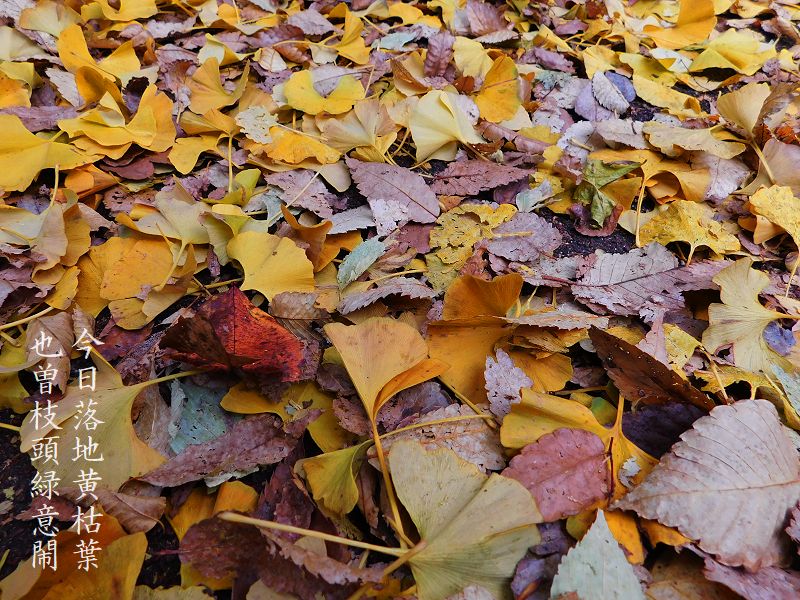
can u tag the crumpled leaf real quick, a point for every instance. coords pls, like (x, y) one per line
(331, 477)
(734, 462)
(504, 380)
(596, 569)
(524, 238)
(470, 438)
(476, 528)
(301, 94)
(779, 205)
(695, 21)
(402, 286)
(565, 471)
(642, 280)
(229, 333)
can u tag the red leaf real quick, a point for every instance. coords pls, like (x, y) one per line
(229, 333)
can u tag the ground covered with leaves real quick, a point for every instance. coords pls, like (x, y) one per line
(442, 300)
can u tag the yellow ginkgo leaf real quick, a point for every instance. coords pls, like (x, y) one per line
(741, 51)
(695, 21)
(74, 53)
(271, 264)
(779, 205)
(293, 148)
(23, 155)
(498, 98)
(351, 45)
(300, 94)
(742, 107)
(438, 125)
(363, 348)
(121, 10)
(741, 319)
(692, 223)
(206, 88)
(48, 16)
(367, 128)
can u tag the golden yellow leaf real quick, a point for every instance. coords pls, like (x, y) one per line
(498, 98)
(743, 106)
(206, 88)
(23, 155)
(438, 125)
(741, 51)
(695, 21)
(293, 148)
(300, 94)
(271, 264)
(692, 223)
(363, 348)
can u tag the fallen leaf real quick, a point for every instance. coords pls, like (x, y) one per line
(596, 568)
(475, 528)
(740, 320)
(228, 333)
(731, 462)
(565, 471)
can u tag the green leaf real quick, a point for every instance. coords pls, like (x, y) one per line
(359, 260)
(596, 569)
(475, 528)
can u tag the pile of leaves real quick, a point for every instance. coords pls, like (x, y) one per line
(439, 300)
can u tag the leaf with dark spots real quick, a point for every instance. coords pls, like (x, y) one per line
(565, 471)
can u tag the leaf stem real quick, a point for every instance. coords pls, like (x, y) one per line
(172, 376)
(639, 209)
(27, 319)
(237, 518)
(9, 427)
(492, 422)
(387, 480)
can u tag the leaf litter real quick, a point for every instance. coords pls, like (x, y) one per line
(436, 300)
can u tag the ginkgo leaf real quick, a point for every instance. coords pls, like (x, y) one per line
(695, 21)
(23, 155)
(692, 223)
(293, 148)
(301, 94)
(474, 528)
(124, 454)
(741, 319)
(331, 477)
(206, 89)
(371, 368)
(742, 107)
(741, 51)
(438, 125)
(271, 264)
(596, 568)
(779, 205)
(732, 464)
(498, 98)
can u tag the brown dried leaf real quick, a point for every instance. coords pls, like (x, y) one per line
(251, 442)
(401, 188)
(733, 464)
(769, 583)
(565, 471)
(640, 281)
(440, 53)
(642, 378)
(470, 177)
